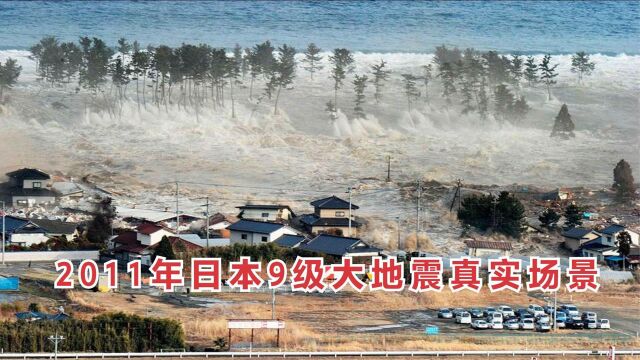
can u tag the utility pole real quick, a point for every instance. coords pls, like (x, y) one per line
(177, 212)
(4, 214)
(56, 340)
(457, 195)
(398, 228)
(207, 215)
(389, 168)
(349, 190)
(273, 304)
(419, 193)
(494, 201)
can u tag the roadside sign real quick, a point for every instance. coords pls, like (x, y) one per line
(255, 324)
(432, 330)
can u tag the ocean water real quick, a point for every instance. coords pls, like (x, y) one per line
(607, 27)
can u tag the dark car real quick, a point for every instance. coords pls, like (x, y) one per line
(574, 323)
(476, 313)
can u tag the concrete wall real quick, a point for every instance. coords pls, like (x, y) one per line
(28, 239)
(33, 200)
(50, 256)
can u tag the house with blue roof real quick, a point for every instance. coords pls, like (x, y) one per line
(290, 241)
(39, 316)
(253, 232)
(610, 234)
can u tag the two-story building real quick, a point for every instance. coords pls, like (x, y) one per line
(578, 236)
(331, 216)
(609, 235)
(273, 213)
(29, 187)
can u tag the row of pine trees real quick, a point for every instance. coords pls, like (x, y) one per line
(199, 75)
(105, 333)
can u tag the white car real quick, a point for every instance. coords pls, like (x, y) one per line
(543, 319)
(512, 324)
(506, 311)
(604, 324)
(570, 310)
(590, 324)
(535, 310)
(479, 324)
(494, 317)
(543, 327)
(496, 325)
(527, 324)
(463, 318)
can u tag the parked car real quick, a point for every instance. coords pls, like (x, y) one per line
(488, 310)
(570, 310)
(512, 324)
(543, 327)
(457, 311)
(574, 323)
(560, 324)
(476, 313)
(495, 316)
(497, 325)
(589, 315)
(561, 316)
(590, 324)
(543, 319)
(463, 318)
(479, 324)
(445, 313)
(535, 310)
(527, 324)
(548, 309)
(506, 311)
(604, 324)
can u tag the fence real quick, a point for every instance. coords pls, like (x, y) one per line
(336, 354)
(50, 256)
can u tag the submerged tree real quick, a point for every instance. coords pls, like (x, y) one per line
(342, 61)
(9, 73)
(516, 70)
(410, 89)
(548, 73)
(311, 59)
(563, 126)
(503, 214)
(503, 102)
(531, 71)
(359, 85)
(582, 65)
(426, 79)
(572, 216)
(549, 218)
(284, 71)
(448, 78)
(519, 109)
(623, 182)
(380, 75)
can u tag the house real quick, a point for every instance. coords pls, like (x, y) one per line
(273, 213)
(30, 316)
(610, 234)
(595, 248)
(36, 231)
(577, 236)
(150, 234)
(480, 248)
(339, 246)
(253, 232)
(28, 187)
(203, 242)
(290, 241)
(331, 215)
(127, 247)
(560, 194)
(136, 217)
(218, 224)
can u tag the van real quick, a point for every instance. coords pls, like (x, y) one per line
(494, 317)
(463, 318)
(535, 310)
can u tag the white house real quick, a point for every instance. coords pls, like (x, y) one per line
(610, 233)
(150, 234)
(480, 248)
(28, 187)
(257, 232)
(274, 213)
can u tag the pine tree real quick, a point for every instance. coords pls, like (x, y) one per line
(165, 249)
(531, 71)
(623, 182)
(359, 85)
(342, 61)
(503, 102)
(311, 59)
(330, 108)
(448, 77)
(519, 109)
(426, 79)
(582, 65)
(548, 73)
(9, 74)
(483, 100)
(549, 218)
(516, 70)
(410, 88)
(380, 75)
(572, 216)
(624, 243)
(285, 70)
(563, 126)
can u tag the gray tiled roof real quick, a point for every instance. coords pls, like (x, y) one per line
(576, 233)
(260, 227)
(332, 202)
(289, 241)
(337, 245)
